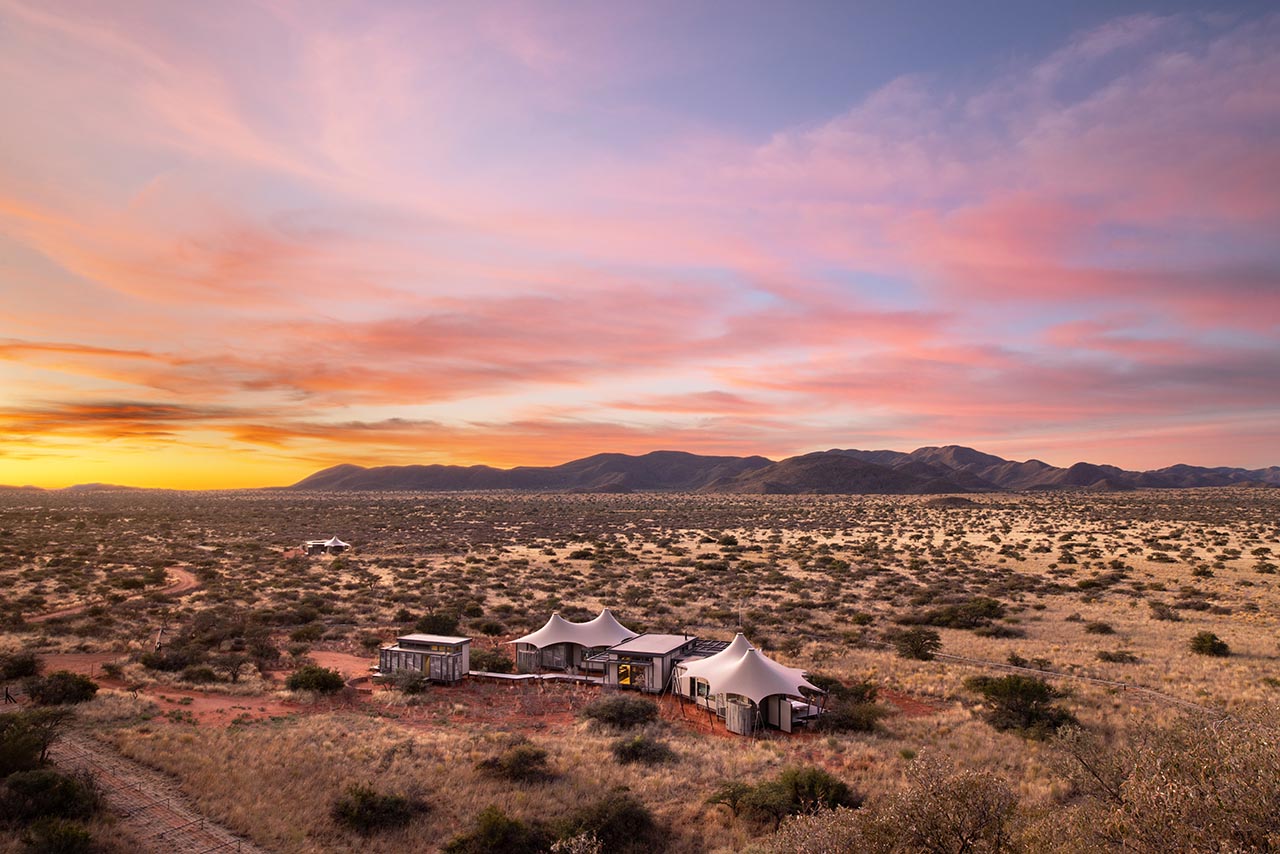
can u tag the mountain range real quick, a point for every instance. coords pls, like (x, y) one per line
(924, 471)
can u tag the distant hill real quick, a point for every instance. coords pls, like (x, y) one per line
(950, 469)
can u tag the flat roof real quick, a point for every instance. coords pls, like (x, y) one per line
(653, 644)
(417, 638)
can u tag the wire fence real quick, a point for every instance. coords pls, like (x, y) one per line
(161, 819)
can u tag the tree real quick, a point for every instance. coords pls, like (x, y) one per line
(1022, 703)
(232, 664)
(919, 644)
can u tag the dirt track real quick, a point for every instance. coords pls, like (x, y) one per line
(185, 583)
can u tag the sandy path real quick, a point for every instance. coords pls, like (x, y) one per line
(185, 581)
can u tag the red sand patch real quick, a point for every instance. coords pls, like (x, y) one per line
(911, 707)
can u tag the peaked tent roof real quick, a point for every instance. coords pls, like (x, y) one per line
(756, 676)
(703, 667)
(334, 542)
(604, 630)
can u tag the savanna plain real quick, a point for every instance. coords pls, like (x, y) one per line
(1068, 671)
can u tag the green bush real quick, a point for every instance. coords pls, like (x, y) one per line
(200, 674)
(797, 790)
(495, 832)
(309, 633)
(643, 749)
(443, 623)
(19, 665)
(1119, 656)
(364, 809)
(619, 821)
(1021, 703)
(312, 677)
(491, 661)
(30, 795)
(523, 762)
(978, 611)
(622, 711)
(60, 688)
(1207, 643)
(845, 716)
(57, 836)
(917, 644)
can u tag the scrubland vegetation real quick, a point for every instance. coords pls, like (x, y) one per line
(901, 606)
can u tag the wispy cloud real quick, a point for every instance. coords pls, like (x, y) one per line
(409, 232)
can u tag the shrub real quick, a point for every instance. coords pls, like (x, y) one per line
(978, 611)
(1207, 643)
(1021, 703)
(57, 836)
(1182, 786)
(312, 677)
(26, 736)
(200, 674)
(364, 809)
(619, 821)
(19, 665)
(844, 716)
(1162, 611)
(523, 762)
(917, 644)
(30, 795)
(60, 688)
(797, 790)
(443, 623)
(1099, 628)
(1119, 656)
(411, 682)
(622, 711)
(940, 811)
(495, 831)
(491, 661)
(307, 634)
(643, 749)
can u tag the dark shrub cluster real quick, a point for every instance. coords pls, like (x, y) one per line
(491, 661)
(61, 687)
(622, 711)
(312, 677)
(1207, 643)
(523, 762)
(644, 749)
(797, 790)
(365, 810)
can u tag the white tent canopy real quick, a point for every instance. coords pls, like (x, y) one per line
(335, 543)
(702, 667)
(603, 630)
(756, 676)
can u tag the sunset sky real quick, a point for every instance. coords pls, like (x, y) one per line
(243, 241)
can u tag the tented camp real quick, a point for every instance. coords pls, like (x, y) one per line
(562, 645)
(441, 658)
(333, 546)
(747, 688)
